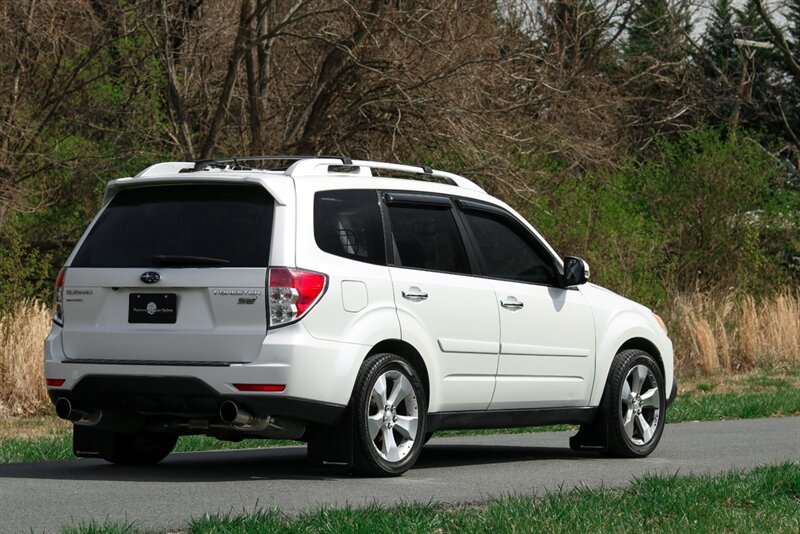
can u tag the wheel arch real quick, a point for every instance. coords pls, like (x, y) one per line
(647, 346)
(407, 351)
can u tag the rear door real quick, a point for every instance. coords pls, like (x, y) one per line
(172, 273)
(440, 302)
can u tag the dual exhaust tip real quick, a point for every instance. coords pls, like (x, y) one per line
(230, 413)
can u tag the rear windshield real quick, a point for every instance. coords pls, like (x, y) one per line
(182, 226)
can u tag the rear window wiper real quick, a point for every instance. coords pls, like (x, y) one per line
(165, 259)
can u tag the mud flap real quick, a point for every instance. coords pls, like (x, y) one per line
(91, 442)
(332, 445)
(594, 436)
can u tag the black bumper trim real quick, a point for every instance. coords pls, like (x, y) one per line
(184, 397)
(510, 418)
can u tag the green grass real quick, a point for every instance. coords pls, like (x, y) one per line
(757, 395)
(764, 499)
(715, 406)
(59, 447)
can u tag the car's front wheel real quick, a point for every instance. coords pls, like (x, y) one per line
(636, 404)
(389, 416)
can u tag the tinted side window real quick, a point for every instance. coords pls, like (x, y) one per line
(508, 250)
(348, 223)
(427, 238)
(231, 223)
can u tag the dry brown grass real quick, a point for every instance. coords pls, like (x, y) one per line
(22, 333)
(728, 334)
(712, 335)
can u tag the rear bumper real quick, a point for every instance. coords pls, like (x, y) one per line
(318, 376)
(183, 398)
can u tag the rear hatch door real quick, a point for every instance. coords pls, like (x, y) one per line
(172, 274)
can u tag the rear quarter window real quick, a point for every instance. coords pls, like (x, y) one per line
(348, 223)
(232, 223)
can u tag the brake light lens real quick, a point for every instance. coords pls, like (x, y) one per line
(292, 292)
(59, 317)
(55, 382)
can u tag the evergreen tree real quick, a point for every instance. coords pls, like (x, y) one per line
(793, 31)
(760, 75)
(658, 30)
(657, 61)
(572, 29)
(790, 98)
(719, 35)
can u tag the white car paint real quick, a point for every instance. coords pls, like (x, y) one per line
(477, 354)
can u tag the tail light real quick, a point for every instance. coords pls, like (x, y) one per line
(59, 318)
(292, 292)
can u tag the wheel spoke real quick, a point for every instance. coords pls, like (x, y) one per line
(400, 390)
(636, 385)
(627, 423)
(375, 423)
(626, 393)
(379, 392)
(647, 433)
(407, 426)
(390, 448)
(641, 373)
(652, 398)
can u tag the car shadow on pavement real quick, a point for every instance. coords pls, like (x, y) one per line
(278, 463)
(438, 455)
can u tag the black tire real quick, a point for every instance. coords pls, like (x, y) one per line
(139, 449)
(635, 416)
(373, 454)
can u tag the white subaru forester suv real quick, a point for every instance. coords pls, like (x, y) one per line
(355, 305)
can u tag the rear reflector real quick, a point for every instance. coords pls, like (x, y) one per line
(258, 387)
(55, 382)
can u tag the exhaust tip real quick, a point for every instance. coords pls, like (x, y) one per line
(63, 408)
(228, 412)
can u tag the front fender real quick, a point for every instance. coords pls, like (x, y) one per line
(620, 329)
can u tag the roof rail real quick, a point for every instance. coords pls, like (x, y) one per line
(317, 166)
(236, 163)
(311, 166)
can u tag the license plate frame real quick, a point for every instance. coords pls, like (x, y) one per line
(153, 308)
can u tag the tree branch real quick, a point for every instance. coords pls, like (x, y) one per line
(783, 46)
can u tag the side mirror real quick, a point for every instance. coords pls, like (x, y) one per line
(576, 271)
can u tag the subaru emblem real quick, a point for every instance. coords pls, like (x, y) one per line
(150, 277)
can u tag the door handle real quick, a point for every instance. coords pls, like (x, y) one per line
(511, 303)
(414, 294)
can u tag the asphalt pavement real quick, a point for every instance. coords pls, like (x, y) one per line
(43, 497)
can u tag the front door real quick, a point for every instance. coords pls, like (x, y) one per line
(547, 342)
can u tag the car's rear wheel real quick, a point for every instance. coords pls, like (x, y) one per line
(139, 449)
(389, 416)
(636, 404)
